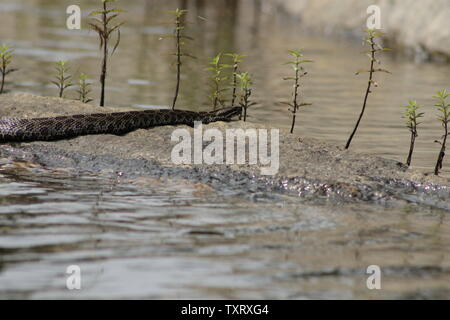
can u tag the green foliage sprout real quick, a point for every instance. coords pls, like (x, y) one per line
(444, 118)
(104, 28)
(63, 78)
(83, 88)
(245, 84)
(217, 79)
(237, 59)
(6, 54)
(412, 115)
(300, 72)
(375, 48)
(180, 41)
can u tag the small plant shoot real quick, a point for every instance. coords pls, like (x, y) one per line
(300, 72)
(180, 41)
(63, 78)
(84, 88)
(412, 115)
(217, 79)
(444, 118)
(237, 59)
(245, 84)
(102, 24)
(6, 54)
(375, 48)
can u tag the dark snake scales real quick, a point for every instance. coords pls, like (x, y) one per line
(64, 127)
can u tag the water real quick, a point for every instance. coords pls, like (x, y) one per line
(145, 239)
(160, 239)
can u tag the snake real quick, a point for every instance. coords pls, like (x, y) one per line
(118, 123)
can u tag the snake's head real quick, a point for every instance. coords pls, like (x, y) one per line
(226, 114)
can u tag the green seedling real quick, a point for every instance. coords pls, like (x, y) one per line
(84, 88)
(245, 84)
(444, 118)
(180, 41)
(375, 48)
(217, 79)
(6, 54)
(300, 72)
(237, 59)
(412, 116)
(102, 24)
(63, 78)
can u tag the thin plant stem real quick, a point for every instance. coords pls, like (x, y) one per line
(104, 30)
(444, 109)
(369, 85)
(3, 83)
(178, 40)
(440, 161)
(411, 148)
(233, 98)
(105, 59)
(300, 72)
(295, 103)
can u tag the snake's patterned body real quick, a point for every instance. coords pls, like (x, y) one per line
(63, 127)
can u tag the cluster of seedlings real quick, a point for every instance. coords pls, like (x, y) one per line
(102, 24)
(412, 110)
(412, 116)
(219, 71)
(226, 77)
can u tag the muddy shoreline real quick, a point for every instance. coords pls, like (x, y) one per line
(313, 169)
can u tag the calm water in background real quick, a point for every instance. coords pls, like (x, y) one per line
(154, 240)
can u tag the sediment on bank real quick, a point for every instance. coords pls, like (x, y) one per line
(308, 167)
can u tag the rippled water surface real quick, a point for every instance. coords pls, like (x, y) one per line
(149, 238)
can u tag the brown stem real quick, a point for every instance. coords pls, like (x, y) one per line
(3, 82)
(3, 71)
(61, 83)
(295, 104)
(411, 148)
(440, 161)
(366, 96)
(105, 57)
(234, 84)
(177, 89)
(247, 95)
(216, 95)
